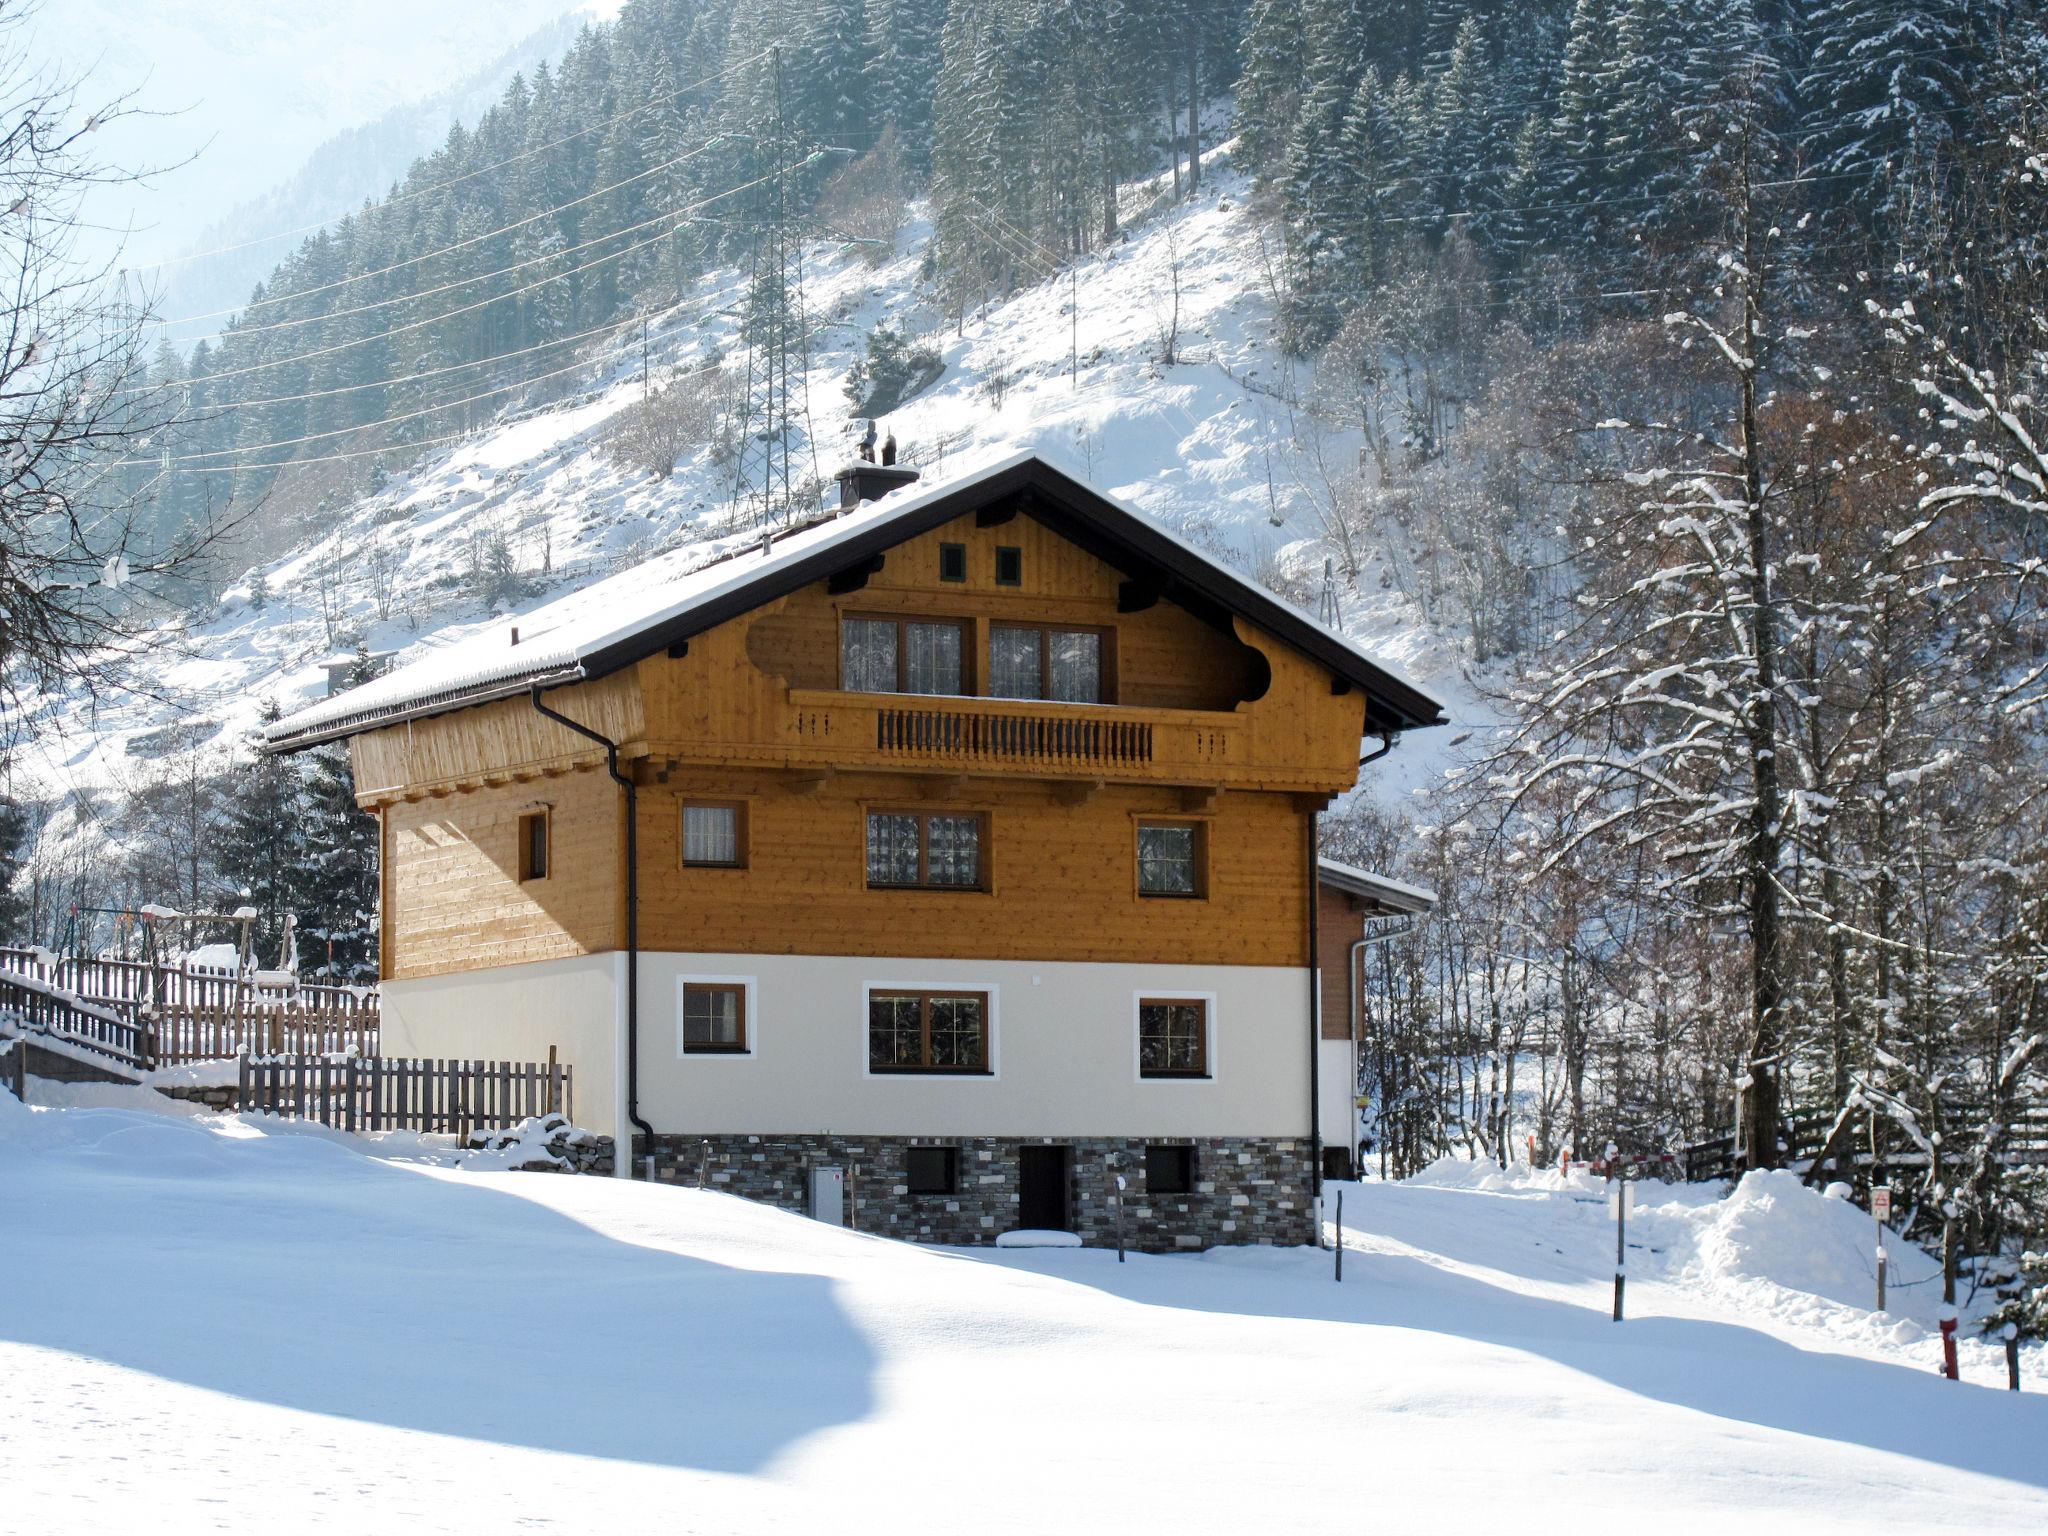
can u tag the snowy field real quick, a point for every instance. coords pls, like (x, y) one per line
(211, 1325)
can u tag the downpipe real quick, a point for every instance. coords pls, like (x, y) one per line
(625, 782)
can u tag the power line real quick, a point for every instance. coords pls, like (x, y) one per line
(467, 176)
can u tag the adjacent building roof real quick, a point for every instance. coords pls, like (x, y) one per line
(666, 600)
(1392, 895)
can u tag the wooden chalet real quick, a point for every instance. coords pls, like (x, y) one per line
(960, 846)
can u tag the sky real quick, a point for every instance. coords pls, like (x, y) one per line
(248, 88)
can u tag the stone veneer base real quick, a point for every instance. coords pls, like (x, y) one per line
(1246, 1189)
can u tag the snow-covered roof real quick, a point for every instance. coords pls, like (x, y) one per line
(1388, 892)
(667, 599)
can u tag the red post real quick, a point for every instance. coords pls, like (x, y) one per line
(1948, 1345)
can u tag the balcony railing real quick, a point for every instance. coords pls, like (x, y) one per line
(977, 736)
(1013, 736)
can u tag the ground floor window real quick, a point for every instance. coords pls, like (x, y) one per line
(928, 1032)
(932, 1170)
(1169, 1169)
(1173, 1037)
(714, 1017)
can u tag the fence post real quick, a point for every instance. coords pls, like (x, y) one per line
(241, 1082)
(2011, 1334)
(554, 1091)
(349, 1090)
(1340, 1236)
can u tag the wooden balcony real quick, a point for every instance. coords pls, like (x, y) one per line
(1015, 737)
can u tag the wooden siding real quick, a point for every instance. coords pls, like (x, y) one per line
(1340, 923)
(1062, 880)
(1234, 728)
(456, 900)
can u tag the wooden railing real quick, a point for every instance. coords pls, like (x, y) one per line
(202, 1018)
(40, 1009)
(1805, 1131)
(380, 1093)
(1047, 740)
(1014, 736)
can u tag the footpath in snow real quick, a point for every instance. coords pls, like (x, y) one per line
(217, 1324)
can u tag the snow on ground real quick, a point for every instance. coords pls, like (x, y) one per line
(214, 1323)
(1189, 443)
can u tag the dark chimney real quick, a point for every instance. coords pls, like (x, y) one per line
(862, 481)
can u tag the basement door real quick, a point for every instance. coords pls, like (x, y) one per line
(1044, 1202)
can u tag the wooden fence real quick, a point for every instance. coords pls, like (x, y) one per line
(1805, 1131)
(382, 1093)
(207, 1018)
(45, 1010)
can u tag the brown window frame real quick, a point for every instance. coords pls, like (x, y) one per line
(1201, 831)
(923, 815)
(1105, 678)
(527, 821)
(1181, 1180)
(739, 837)
(739, 991)
(1016, 551)
(924, 996)
(902, 621)
(949, 1160)
(1198, 1072)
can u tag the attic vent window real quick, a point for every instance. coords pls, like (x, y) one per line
(1009, 566)
(952, 562)
(533, 846)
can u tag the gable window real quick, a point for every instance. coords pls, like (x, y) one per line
(1169, 1170)
(932, 1170)
(1009, 566)
(952, 562)
(533, 846)
(1173, 1037)
(928, 1032)
(924, 850)
(711, 836)
(1035, 661)
(714, 1017)
(1170, 858)
(878, 655)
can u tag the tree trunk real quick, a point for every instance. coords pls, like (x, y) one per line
(1194, 107)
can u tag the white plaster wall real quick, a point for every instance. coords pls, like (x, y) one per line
(514, 1013)
(1339, 1115)
(1064, 1051)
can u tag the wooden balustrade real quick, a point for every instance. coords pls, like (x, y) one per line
(1049, 740)
(375, 1093)
(183, 1017)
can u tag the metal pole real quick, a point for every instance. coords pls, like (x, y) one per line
(2012, 1356)
(704, 1165)
(1340, 1237)
(1119, 1213)
(1620, 1239)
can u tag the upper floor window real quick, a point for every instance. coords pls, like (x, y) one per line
(712, 836)
(1170, 858)
(913, 849)
(1037, 661)
(952, 562)
(1009, 566)
(533, 846)
(899, 655)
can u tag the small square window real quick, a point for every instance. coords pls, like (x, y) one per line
(1173, 1037)
(714, 1018)
(932, 1170)
(952, 562)
(712, 836)
(1170, 858)
(1169, 1170)
(533, 846)
(1009, 566)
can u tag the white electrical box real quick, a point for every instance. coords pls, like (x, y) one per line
(828, 1196)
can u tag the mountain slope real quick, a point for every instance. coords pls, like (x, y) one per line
(1188, 443)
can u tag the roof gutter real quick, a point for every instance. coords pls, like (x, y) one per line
(354, 725)
(625, 782)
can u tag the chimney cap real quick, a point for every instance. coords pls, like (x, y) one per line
(861, 481)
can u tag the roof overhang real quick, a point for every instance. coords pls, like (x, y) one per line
(1026, 485)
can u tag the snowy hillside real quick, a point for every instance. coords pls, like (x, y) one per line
(211, 1315)
(1188, 443)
